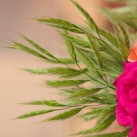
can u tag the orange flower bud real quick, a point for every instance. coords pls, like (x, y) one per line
(132, 57)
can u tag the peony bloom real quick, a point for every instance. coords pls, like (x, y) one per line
(126, 94)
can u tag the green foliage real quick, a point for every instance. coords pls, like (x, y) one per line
(90, 21)
(98, 112)
(65, 115)
(59, 23)
(65, 83)
(85, 79)
(82, 92)
(35, 113)
(52, 103)
(17, 45)
(115, 134)
(62, 72)
(102, 125)
(39, 48)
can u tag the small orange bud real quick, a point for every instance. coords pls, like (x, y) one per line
(132, 57)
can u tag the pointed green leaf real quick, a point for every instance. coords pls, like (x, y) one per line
(100, 126)
(22, 47)
(35, 113)
(63, 72)
(84, 92)
(65, 115)
(63, 24)
(38, 47)
(17, 45)
(52, 103)
(86, 15)
(65, 83)
(78, 41)
(114, 134)
(70, 46)
(96, 50)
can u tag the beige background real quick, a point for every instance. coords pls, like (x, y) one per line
(17, 86)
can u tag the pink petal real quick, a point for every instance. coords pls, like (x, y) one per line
(122, 116)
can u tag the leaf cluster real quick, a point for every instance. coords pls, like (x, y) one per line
(85, 78)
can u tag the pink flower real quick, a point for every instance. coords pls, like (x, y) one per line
(126, 94)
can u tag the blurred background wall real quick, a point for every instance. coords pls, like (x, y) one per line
(18, 86)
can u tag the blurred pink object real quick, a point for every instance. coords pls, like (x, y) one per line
(126, 94)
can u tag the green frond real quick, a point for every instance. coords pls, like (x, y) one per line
(37, 47)
(90, 21)
(35, 113)
(98, 112)
(102, 125)
(52, 103)
(114, 134)
(62, 24)
(65, 115)
(70, 47)
(62, 72)
(83, 43)
(85, 79)
(82, 92)
(17, 45)
(65, 83)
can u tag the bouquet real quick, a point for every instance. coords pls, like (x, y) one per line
(100, 74)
